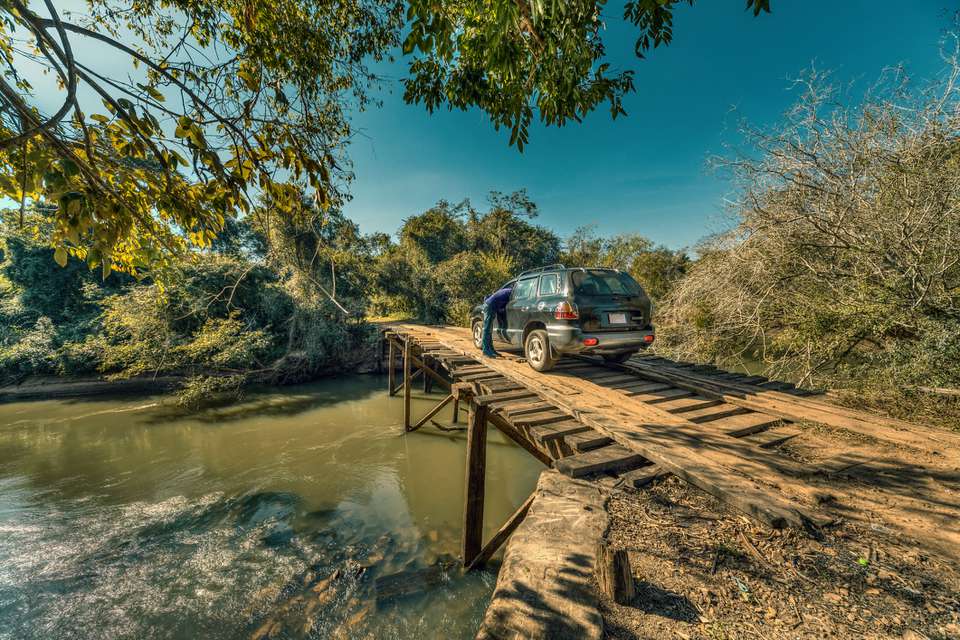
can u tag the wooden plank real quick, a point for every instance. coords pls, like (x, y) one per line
(477, 377)
(526, 408)
(713, 413)
(539, 419)
(642, 386)
(690, 403)
(798, 408)
(661, 396)
(587, 440)
(619, 379)
(550, 432)
(520, 394)
(773, 437)
(474, 485)
(744, 424)
(612, 458)
(501, 535)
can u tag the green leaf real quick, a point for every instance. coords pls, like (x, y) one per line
(60, 256)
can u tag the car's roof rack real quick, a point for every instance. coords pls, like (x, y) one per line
(549, 267)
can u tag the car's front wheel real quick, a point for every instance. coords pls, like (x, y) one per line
(537, 350)
(477, 329)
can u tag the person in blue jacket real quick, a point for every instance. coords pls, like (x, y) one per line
(493, 305)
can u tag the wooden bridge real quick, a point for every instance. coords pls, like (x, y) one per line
(722, 432)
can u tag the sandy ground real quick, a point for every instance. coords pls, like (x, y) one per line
(705, 571)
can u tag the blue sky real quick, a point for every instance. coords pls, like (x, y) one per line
(645, 173)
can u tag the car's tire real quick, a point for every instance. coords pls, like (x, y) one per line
(537, 350)
(477, 329)
(618, 358)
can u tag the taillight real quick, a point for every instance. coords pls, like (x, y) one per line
(648, 338)
(566, 311)
(591, 342)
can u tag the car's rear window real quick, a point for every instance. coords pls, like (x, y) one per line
(597, 283)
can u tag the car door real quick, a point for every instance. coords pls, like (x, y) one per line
(500, 320)
(547, 297)
(520, 307)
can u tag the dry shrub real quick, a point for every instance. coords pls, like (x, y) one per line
(843, 267)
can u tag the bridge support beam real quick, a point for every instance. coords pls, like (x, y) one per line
(406, 384)
(475, 475)
(391, 366)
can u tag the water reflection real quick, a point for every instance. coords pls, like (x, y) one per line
(269, 518)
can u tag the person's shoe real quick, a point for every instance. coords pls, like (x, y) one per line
(492, 354)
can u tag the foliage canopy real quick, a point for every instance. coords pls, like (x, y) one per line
(229, 100)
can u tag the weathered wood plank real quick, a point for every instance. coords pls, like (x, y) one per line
(613, 458)
(709, 414)
(744, 424)
(549, 432)
(654, 397)
(538, 419)
(587, 440)
(773, 437)
(690, 403)
(521, 394)
(545, 585)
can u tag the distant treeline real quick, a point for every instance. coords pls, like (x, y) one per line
(277, 300)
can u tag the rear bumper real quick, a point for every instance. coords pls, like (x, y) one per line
(568, 339)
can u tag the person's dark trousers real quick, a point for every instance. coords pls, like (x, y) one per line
(487, 341)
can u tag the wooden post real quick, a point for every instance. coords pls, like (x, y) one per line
(391, 367)
(427, 380)
(406, 384)
(456, 409)
(476, 473)
(613, 573)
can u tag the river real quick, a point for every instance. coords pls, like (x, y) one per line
(268, 518)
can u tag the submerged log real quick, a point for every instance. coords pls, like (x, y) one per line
(545, 587)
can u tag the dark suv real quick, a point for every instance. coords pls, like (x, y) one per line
(557, 310)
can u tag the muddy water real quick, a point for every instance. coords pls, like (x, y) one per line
(270, 518)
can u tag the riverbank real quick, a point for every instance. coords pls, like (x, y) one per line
(704, 571)
(50, 387)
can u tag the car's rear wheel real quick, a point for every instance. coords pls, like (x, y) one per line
(618, 358)
(537, 350)
(477, 329)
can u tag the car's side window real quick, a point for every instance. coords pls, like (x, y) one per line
(524, 289)
(549, 284)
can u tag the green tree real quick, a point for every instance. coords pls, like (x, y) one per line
(232, 99)
(657, 268)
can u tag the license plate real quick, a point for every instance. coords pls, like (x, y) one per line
(617, 318)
